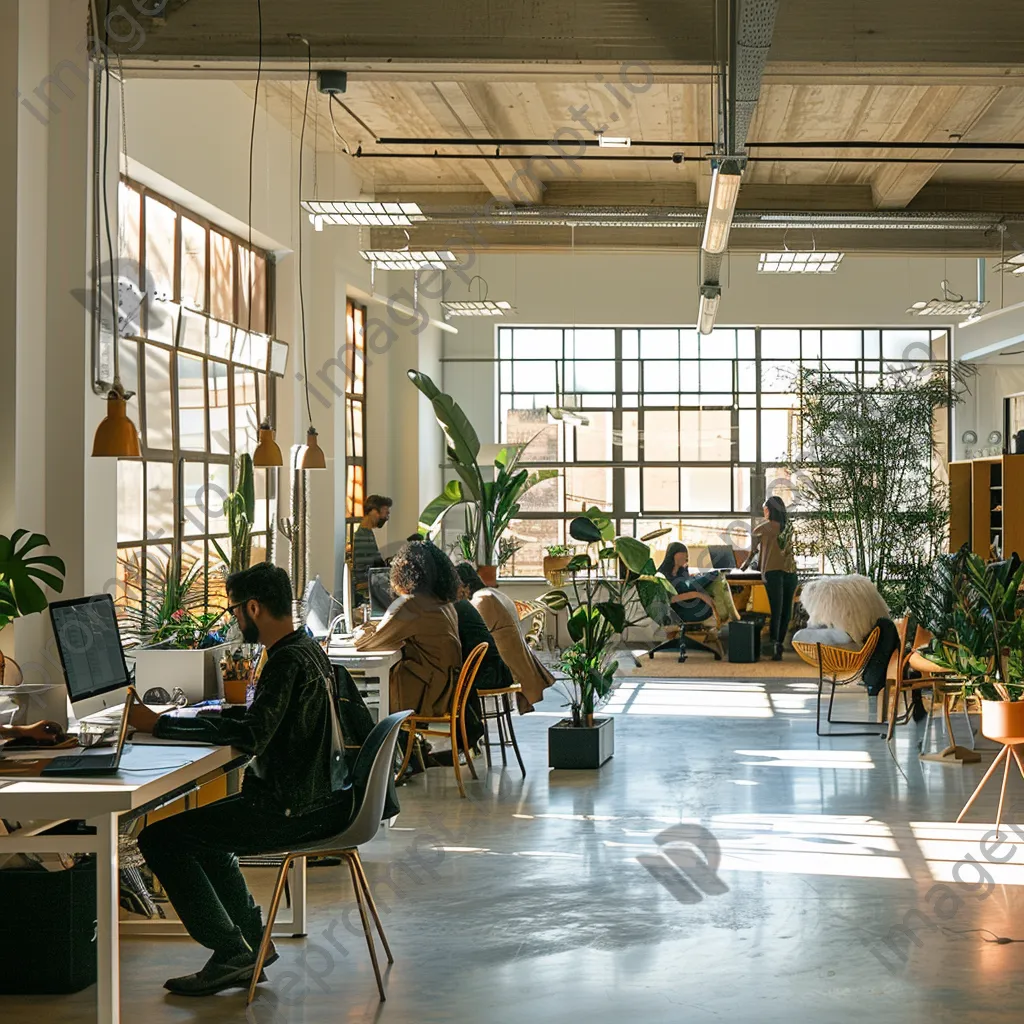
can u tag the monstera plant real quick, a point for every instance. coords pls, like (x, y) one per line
(21, 573)
(490, 505)
(601, 607)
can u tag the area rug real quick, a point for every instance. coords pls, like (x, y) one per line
(704, 666)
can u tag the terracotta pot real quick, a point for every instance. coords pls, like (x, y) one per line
(1003, 721)
(554, 566)
(489, 574)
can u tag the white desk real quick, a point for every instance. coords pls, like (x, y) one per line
(148, 774)
(370, 670)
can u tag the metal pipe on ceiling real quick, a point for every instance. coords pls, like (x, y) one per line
(668, 143)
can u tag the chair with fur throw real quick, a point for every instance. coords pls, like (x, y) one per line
(848, 603)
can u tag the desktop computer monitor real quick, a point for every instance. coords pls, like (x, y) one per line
(91, 655)
(318, 605)
(381, 594)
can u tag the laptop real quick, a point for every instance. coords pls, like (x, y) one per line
(94, 764)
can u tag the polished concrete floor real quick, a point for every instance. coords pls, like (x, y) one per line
(580, 896)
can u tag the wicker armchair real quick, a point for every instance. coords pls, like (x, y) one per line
(842, 667)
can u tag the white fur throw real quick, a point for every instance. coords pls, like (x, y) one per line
(850, 603)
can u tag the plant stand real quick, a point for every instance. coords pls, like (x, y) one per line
(577, 747)
(1009, 754)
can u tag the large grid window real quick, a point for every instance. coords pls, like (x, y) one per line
(666, 428)
(355, 418)
(202, 367)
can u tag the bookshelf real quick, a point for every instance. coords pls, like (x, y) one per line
(986, 499)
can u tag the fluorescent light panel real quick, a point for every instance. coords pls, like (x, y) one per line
(799, 262)
(408, 259)
(614, 142)
(710, 297)
(725, 189)
(363, 214)
(484, 307)
(947, 307)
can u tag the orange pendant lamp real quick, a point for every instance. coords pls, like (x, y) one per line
(268, 452)
(312, 456)
(116, 436)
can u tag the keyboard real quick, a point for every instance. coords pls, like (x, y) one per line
(86, 764)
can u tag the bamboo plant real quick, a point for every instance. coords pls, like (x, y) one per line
(490, 505)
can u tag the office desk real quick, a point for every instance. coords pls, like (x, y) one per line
(370, 670)
(149, 774)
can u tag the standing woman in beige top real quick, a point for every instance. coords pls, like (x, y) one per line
(778, 568)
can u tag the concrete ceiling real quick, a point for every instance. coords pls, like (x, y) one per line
(840, 72)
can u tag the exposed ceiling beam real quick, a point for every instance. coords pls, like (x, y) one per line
(939, 114)
(464, 105)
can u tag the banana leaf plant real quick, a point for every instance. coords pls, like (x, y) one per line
(240, 506)
(971, 608)
(600, 609)
(22, 572)
(490, 504)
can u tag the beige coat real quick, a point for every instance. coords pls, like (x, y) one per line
(499, 612)
(427, 631)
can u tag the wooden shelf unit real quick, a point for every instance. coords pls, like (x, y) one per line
(986, 498)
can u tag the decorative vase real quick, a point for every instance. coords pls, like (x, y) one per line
(1003, 721)
(554, 566)
(489, 574)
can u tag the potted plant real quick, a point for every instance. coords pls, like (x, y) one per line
(490, 504)
(971, 608)
(175, 638)
(240, 506)
(599, 611)
(21, 572)
(556, 558)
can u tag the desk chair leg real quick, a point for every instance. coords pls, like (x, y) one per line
(410, 743)
(354, 857)
(367, 934)
(455, 759)
(268, 930)
(465, 744)
(506, 701)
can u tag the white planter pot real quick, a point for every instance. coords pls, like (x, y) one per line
(196, 672)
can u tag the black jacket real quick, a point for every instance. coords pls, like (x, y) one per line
(493, 673)
(297, 765)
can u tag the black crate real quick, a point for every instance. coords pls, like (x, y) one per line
(52, 914)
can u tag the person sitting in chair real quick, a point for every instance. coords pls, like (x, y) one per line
(297, 789)
(691, 603)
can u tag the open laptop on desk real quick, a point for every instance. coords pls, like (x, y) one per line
(94, 764)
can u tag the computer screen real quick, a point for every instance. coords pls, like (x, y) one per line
(319, 607)
(89, 644)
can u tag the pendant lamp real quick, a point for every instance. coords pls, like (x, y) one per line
(116, 436)
(268, 453)
(313, 456)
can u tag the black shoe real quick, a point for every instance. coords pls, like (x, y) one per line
(777, 654)
(216, 976)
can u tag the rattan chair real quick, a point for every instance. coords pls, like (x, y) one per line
(842, 667)
(455, 720)
(371, 778)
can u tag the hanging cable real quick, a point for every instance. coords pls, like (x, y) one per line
(115, 294)
(302, 302)
(330, 107)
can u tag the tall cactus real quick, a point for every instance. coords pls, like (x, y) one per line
(240, 506)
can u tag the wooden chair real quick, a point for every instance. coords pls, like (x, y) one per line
(455, 720)
(502, 715)
(842, 667)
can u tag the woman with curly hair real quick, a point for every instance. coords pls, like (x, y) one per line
(423, 623)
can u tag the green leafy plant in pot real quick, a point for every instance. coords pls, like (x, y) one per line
(600, 609)
(490, 505)
(21, 573)
(971, 609)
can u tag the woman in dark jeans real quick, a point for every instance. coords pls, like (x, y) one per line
(778, 568)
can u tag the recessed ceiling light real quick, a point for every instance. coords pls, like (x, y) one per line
(799, 262)
(483, 307)
(408, 259)
(362, 214)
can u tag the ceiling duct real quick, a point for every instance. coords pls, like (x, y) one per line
(752, 39)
